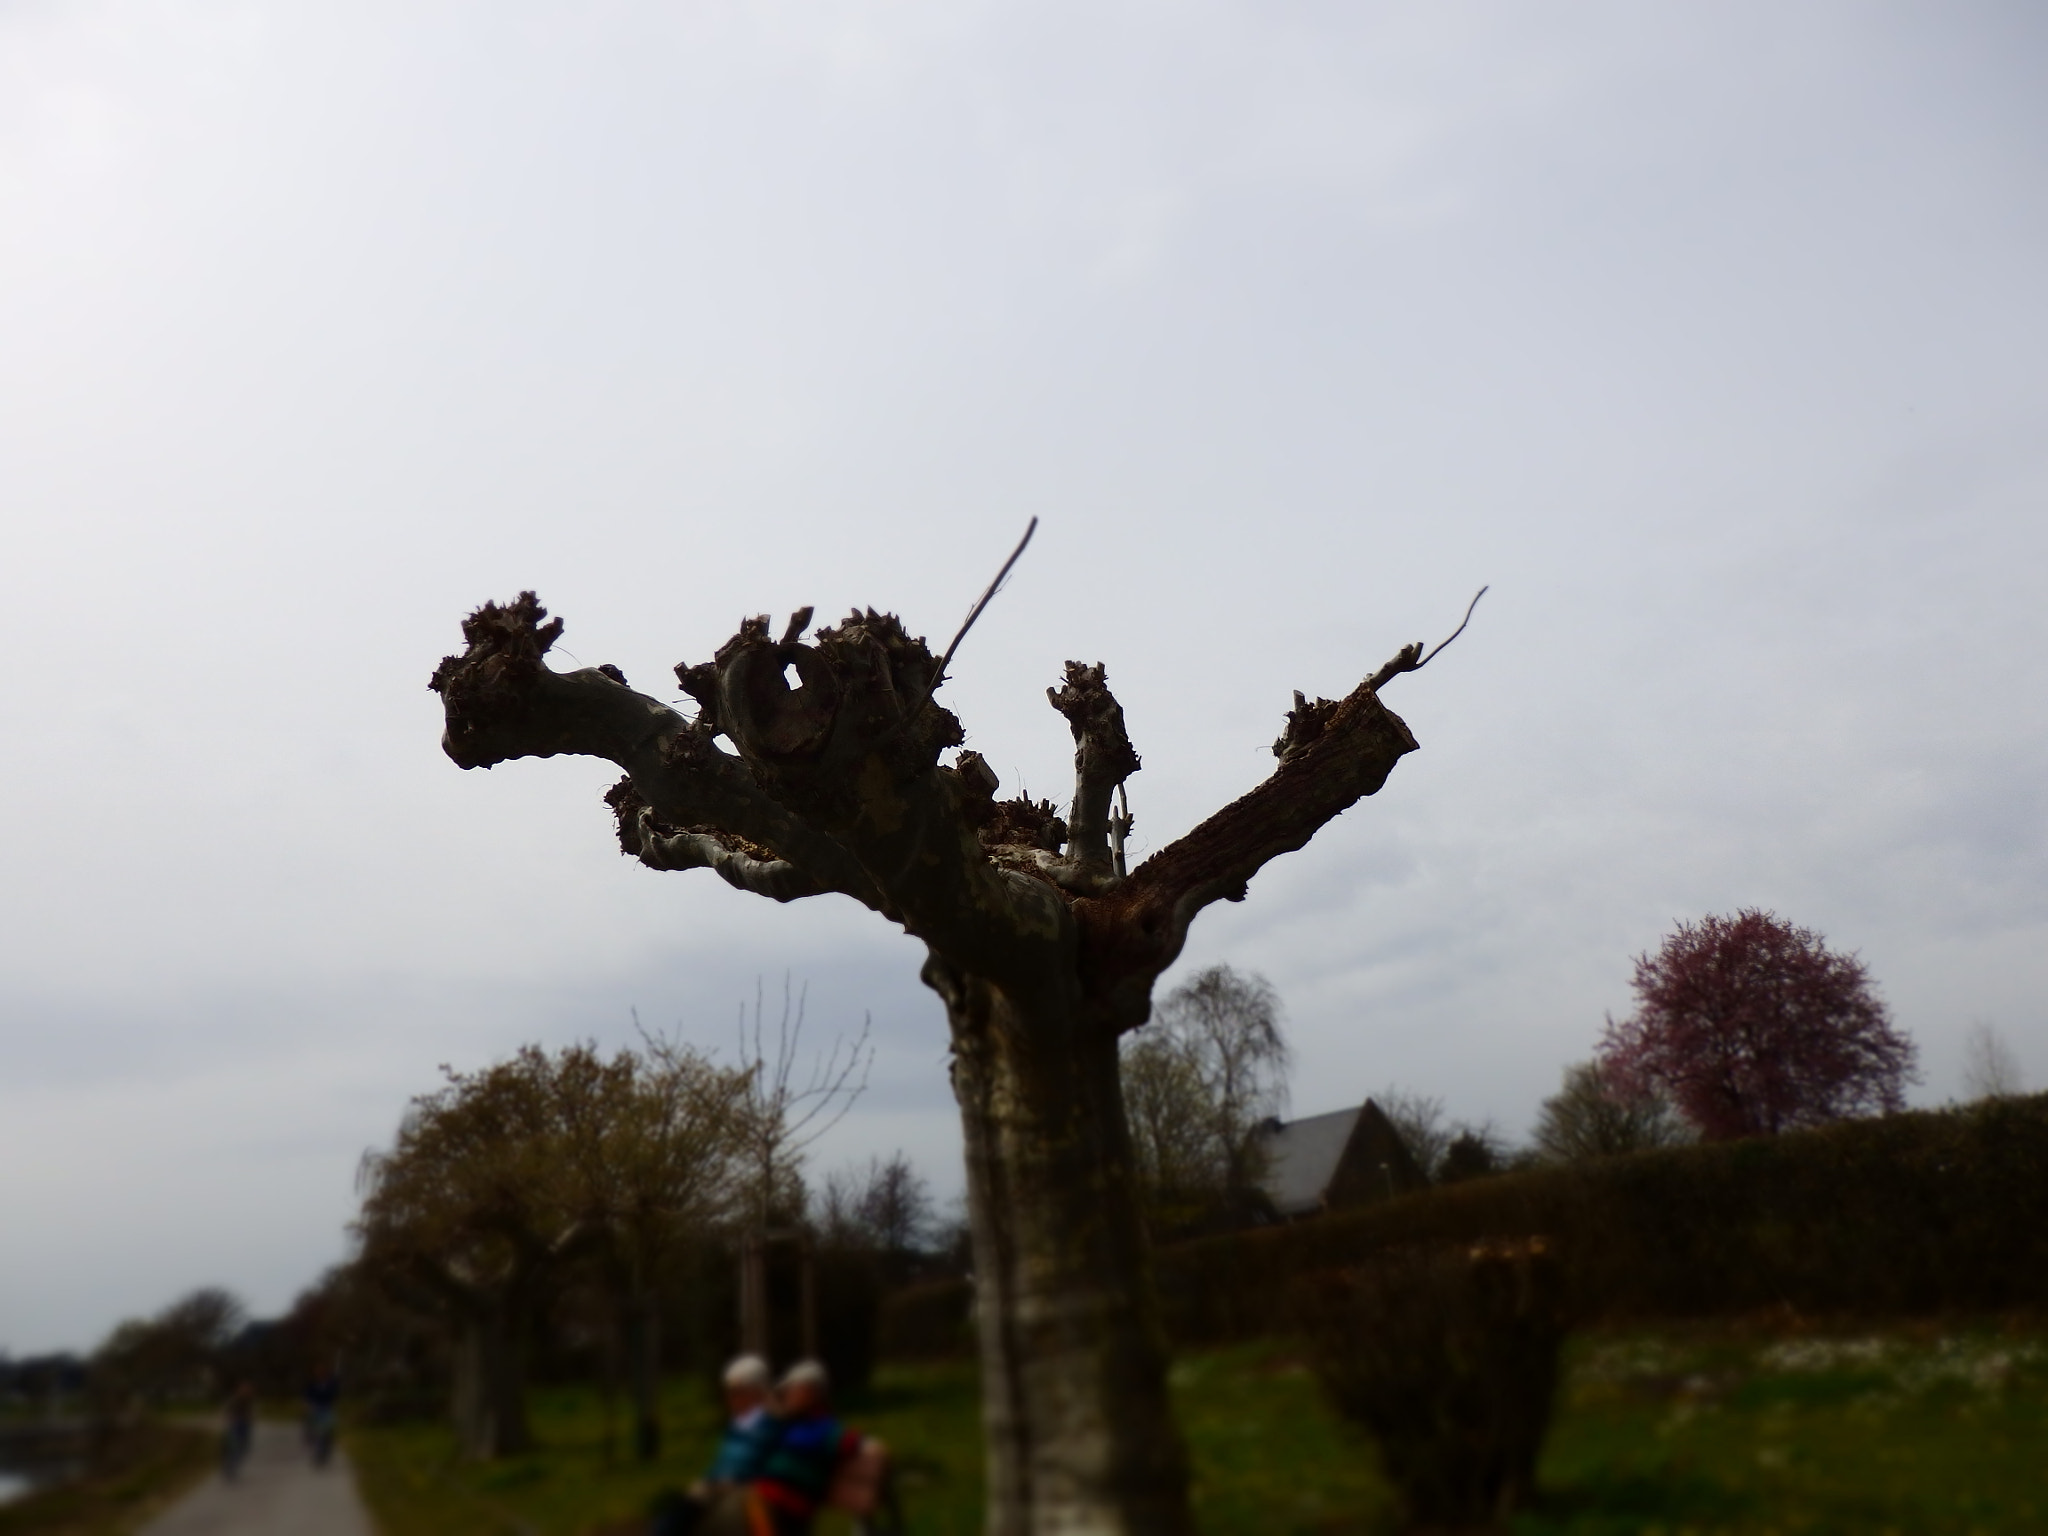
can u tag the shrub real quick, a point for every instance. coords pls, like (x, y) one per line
(1448, 1357)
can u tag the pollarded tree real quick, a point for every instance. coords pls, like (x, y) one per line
(1751, 1025)
(655, 1146)
(468, 1211)
(812, 769)
(499, 1178)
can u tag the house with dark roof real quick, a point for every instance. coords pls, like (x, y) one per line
(1324, 1162)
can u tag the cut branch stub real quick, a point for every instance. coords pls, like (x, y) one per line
(977, 780)
(1024, 823)
(1305, 724)
(786, 724)
(1018, 822)
(701, 684)
(1103, 759)
(816, 747)
(491, 678)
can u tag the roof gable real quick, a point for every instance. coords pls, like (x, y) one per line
(1302, 1157)
(1347, 1157)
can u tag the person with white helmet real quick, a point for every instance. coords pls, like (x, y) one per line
(804, 1452)
(717, 1500)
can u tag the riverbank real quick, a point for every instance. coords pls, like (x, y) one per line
(146, 1468)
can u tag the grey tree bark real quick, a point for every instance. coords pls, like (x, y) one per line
(1042, 948)
(643, 1366)
(489, 1407)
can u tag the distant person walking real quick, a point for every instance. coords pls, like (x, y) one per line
(238, 1430)
(323, 1403)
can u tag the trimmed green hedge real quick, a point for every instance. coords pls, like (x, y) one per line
(1912, 1213)
(1942, 1210)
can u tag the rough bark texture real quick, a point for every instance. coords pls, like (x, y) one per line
(490, 1385)
(1043, 949)
(1073, 1359)
(643, 1366)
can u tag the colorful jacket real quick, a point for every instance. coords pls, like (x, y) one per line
(802, 1455)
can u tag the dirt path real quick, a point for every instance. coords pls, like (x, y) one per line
(280, 1493)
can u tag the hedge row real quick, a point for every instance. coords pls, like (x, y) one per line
(927, 1321)
(1915, 1213)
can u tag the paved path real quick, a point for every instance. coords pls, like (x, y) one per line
(280, 1493)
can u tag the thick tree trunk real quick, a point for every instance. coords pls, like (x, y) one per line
(490, 1389)
(643, 1361)
(1080, 1436)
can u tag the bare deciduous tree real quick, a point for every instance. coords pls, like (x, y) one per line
(784, 1115)
(812, 768)
(1198, 1081)
(1419, 1120)
(1990, 1070)
(885, 1206)
(1589, 1117)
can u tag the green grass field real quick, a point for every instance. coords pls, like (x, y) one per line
(1703, 1431)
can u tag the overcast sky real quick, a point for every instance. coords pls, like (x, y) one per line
(1711, 335)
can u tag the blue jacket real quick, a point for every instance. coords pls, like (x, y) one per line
(801, 1455)
(742, 1446)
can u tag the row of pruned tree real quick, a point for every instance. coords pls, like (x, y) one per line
(502, 1178)
(616, 1176)
(181, 1354)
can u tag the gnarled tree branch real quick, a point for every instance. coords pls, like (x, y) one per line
(1103, 759)
(502, 701)
(1332, 755)
(644, 836)
(836, 776)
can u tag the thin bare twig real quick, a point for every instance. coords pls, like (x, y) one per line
(784, 1119)
(939, 673)
(1439, 648)
(1413, 658)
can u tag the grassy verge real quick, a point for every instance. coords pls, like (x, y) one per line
(1708, 1431)
(1906, 1431)
(145, 1471)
